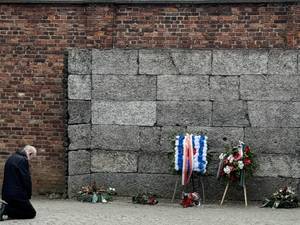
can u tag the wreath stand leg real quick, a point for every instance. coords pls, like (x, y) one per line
(245, 194)
(225, 192)
(226, 189)
(175, 188)
(202, 185)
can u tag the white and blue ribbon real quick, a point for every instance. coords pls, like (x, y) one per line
(200, 153)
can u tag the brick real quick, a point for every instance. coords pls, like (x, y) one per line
(79, 136)
(239, 62)
(79, 111)
(278, 88)
(274, 114)
(155, 163)
(224, 88)
(114, 61)
(219, 137)
(79, 61)
(195, 62)
(112, 137)
(156, 62)
(79, 162)
(141, 113)
(79, 87)
(232, 113)
(124, 88)
(183, 113)
(278, 166)
(273, 140)
(182, 87)
(282, 62)
(109, 161)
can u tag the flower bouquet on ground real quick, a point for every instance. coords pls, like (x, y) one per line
(190, 199)
(283, 198)
(236, 163)
(92, 193)
(145, 199)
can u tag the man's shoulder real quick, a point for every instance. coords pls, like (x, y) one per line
(16, 159)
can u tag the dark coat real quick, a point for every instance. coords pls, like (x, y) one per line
(17, 179)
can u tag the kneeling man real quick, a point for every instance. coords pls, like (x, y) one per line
(17, 187)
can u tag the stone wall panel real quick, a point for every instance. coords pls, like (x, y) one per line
(273, 87)
(231, 113)
(282, 62)
(239, 62)
(113, 161)
(274, 114)
(113, 137)
(141, 113)
(183, 112)
(124, 88)
(182, 88)
(79, 162)
(114, 61)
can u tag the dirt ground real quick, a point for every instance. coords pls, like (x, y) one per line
(122, 211)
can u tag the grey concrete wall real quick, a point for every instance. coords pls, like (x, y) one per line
(126, 106)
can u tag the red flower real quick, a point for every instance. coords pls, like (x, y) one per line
(237, 156)
(247, 149)
(187, 202)
(247, 161)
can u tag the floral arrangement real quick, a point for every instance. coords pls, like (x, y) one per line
(92, 193)
(283, 198)
(145, 199)
(190, 199)
(236, 162)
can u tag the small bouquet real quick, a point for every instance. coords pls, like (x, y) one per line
(283, 198)
(236, 162)
(92, 193)
(190, 199)
(145, 199)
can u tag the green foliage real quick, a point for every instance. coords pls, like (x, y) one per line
(283, 198)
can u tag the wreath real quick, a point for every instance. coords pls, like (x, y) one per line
(236, 163)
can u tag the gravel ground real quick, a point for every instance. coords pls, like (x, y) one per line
(122, 211)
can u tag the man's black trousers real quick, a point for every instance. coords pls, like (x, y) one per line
(19, 209)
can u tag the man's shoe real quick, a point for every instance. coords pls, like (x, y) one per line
(2, 209)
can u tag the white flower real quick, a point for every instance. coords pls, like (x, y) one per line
(111, 189)
(241, 164)
(230, 158)
(222, 156)
(290, 191)
(227, 170)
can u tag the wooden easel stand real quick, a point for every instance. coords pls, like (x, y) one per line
(226, 189)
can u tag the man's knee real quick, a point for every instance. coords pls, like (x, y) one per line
(33, 214)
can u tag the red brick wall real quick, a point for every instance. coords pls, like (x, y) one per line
(33, 39)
